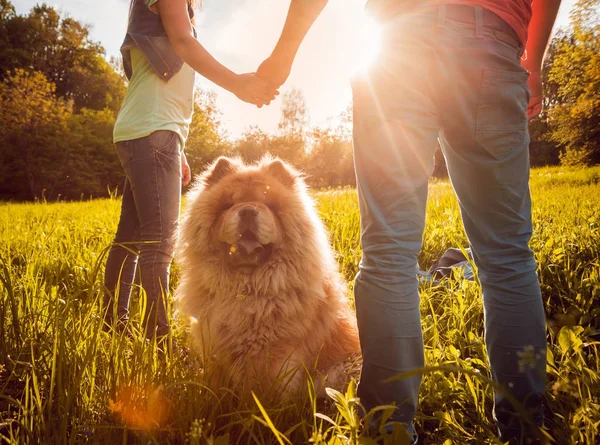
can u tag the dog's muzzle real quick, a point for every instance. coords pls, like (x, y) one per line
(248, 251)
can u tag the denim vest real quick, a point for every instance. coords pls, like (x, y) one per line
(146, 32)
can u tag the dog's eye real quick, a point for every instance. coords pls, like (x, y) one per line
(226, 204)
(273, 205)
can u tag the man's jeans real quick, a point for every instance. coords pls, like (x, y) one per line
(460, 81)
(148, 228)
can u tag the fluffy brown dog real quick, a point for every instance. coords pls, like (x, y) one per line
(259, 280)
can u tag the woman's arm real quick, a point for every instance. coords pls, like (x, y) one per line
(177, 24)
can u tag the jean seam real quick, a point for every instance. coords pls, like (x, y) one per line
(172, 136)
(154, 323)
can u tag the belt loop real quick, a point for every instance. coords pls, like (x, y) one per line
(479, 22)
(441, 17)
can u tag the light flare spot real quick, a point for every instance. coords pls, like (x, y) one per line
(368, 46)
(144, 408)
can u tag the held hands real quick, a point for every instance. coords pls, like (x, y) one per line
(260, 88)
(254, 90)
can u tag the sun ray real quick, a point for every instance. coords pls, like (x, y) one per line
(368, 45)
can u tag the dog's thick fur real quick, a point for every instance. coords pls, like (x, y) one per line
(260, 313)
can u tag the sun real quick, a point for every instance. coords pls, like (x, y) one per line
(367, 45)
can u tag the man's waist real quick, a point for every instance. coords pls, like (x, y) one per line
(384, 10)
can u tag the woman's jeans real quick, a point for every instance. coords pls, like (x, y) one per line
(147, 229)
(459, 81)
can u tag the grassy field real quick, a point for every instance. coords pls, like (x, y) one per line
(64, 380)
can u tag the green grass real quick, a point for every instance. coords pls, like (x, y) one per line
(64, 380)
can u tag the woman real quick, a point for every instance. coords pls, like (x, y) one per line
(160, 58)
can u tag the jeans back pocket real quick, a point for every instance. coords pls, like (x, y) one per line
(166, 147)
(501, 121)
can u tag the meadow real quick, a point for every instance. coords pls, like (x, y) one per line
(63, 380)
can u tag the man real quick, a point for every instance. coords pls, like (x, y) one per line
(453, 70)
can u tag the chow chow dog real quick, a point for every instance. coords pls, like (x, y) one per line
(259, 281)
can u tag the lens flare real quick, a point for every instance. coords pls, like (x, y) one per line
(145, 409)
(368, 45)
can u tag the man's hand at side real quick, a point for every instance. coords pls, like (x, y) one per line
(540, 28)
(534, 108)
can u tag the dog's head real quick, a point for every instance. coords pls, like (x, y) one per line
(245, 212)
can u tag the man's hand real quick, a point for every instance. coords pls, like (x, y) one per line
(186, 172)
(540, 28)
(274, 70)
(534, 108)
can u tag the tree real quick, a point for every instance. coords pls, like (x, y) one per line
(330, 162)
(93, 166)
(47, 151)
(206, 140)
(290, 143)
(62, 50)
(294, 114)
(33, 124)
(574, 118)
(252, 145)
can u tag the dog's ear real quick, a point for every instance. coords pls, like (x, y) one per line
(282, 172)
(218, 170)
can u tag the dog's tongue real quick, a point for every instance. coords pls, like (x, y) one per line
(249, 245)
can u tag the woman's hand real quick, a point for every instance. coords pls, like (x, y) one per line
(254, 90)
(186, 171)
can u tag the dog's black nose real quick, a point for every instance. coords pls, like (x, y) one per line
(248, 212)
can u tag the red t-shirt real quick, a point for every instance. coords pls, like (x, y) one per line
(517, 13)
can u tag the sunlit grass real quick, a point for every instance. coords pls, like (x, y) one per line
(64, 380)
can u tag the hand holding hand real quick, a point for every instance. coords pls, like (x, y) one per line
(534, 108)
(252, 89)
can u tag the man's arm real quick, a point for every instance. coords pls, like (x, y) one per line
(301, 16)
(540, 29)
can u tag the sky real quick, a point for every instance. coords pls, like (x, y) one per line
(242, 33)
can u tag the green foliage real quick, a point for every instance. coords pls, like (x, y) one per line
(94, 167)
(294, 114)
(61, 49)
(330, 163)
(206, 140)
(323, 154)
(33, 123)
(64, 380)
(47, 150)
(575, 72)
(58, 102)
(289, 144)
(567, 130)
